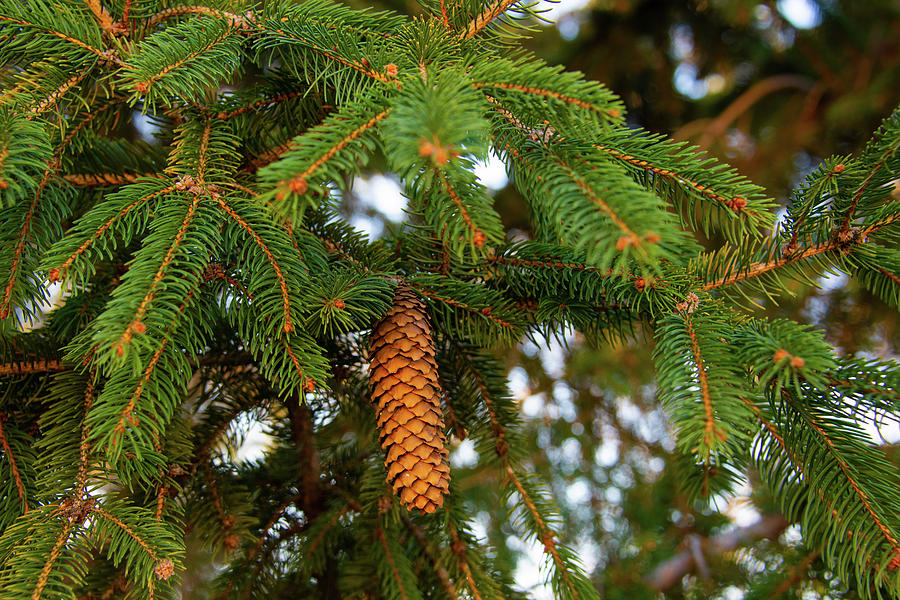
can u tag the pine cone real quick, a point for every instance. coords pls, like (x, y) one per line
(406, 391)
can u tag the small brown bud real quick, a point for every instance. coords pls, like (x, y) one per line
(3, 184)
(230, 542)
(486, 310)
(390, 70)
(780, 354)
(139, 327)
(310, 385)
(228, 521)
(141, 87)
(640, 283)
(797, 362)
(299, 185)
(53, 275)
(338, 304)
(739, 204)
(479, 239)
(838, 169)
(164, 569)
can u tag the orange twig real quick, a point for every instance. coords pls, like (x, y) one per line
(736, 204)
(54, 554)
(136, 324)
(490, 12)
(380, 535)
(143, 86)
(288, 324)
(20, 488)
(59, 272)
(20, 246)
(341, 145)
(104, 179)
(128, 530)
(710, 430)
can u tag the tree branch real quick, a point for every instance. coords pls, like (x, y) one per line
(670, 572)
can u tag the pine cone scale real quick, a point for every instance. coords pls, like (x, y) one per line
(406, 392)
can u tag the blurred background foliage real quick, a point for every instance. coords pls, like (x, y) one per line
(772, 88)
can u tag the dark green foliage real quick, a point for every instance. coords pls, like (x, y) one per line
(212, 285)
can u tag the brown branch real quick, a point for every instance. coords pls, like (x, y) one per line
(840, 242)
(105, 179)
(710, 431)
(490, 12)
(285, 298)
(23, 235)
(673, 570)
(234, 20)
(54, 554)
(747, 99)
(102, 16)
(795, 574)
(546, 534)
(429, 551)
(525, 89)
(735, 204)
(459, 550)
(59, 272)
(457, 304)
(41, 365)
(20, 487)
(845, 226)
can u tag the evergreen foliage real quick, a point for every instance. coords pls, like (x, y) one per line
(209, 276)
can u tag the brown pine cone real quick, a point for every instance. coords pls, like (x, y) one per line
(406, 392)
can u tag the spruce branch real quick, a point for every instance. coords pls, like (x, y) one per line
(485, 18)
(16, 475)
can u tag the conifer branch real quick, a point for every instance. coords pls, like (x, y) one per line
(459, 550)
(461, 305)
(736, 204)
(54, 554)
(710, 431)
(95, 508)
(379, 533)
(439, 569)
(17, 478)
(525, 89)
(260, 103)
(845, 226)
(126, 414)
(59, 272)
(363, 66)
(57, 34)
(22, 239)
(286, 302)
(861, 495)
(84, 445)
(490, 12)
(836, 243)
(300, 181)
(102, 16)
(56, 95)
(105, 179)
(41, 365)
(478, 236)
(143, 86)
(546, 534)
(136, 325)
(236, 21)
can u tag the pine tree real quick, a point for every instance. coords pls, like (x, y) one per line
(209, 276)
